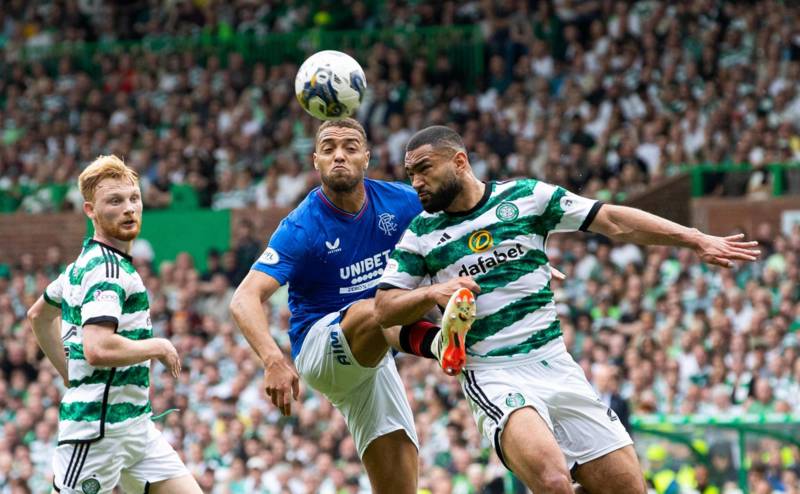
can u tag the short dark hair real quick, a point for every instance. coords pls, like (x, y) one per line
(438, 136)
(347, 123)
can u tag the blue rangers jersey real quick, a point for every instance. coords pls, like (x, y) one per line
(329, 257)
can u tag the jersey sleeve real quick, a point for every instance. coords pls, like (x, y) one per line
(406, 266)
(54, 292)
(103, 294)
(563, 211)
(284, 255)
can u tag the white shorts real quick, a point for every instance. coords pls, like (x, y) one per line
(557, 389)
(132, 461)
(372, 399)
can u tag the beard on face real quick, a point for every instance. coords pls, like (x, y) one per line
(342, 183)
(114, 229)
(442, 198)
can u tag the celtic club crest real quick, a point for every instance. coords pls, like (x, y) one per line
(515, 400)
(507, 211)
(90, 486)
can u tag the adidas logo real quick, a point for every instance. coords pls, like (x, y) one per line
(69, 334)
(445, 238)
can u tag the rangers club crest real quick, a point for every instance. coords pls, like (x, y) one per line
(387, 224)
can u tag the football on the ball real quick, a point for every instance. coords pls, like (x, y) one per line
(330, 85)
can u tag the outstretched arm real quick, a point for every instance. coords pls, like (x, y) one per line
(280, 378)
(44, 319)
(634, 225)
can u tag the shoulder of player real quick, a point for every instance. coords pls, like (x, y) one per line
(100, 262)
(401, 189)
(309, 201)
(399, 197)
(387, 185)
(420, 222)
(517, 182)
(303, 212)
(299, 218)
(424, 215)
(529, 188)
(66, 271)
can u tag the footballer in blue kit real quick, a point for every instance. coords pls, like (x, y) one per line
(332, 250)
(331, 257)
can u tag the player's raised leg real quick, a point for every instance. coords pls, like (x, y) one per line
(369, 342)
(391, 459)
(446, 344)
(530, 450)
(617, 472)
(363, 333)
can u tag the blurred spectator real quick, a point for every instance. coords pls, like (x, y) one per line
(605, 382)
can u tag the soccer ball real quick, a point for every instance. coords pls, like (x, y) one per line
(330, 85)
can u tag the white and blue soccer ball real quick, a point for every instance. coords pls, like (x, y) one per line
(330, 85)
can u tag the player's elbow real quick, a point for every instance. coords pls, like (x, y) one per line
(94, 355)
(237, 304)
(36, 318)
(99, 349)
(610, 221)
(34, 313)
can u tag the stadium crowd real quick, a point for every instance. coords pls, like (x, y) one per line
(603, 97)
(655, 331)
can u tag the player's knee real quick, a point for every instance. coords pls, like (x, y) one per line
(555, 481)
(549, 478)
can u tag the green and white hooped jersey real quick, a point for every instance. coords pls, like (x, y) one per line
(500, 243)
(101, 286)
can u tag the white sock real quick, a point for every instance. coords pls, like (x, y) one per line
(436, 345)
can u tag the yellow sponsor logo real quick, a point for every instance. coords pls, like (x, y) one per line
(480, 241)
